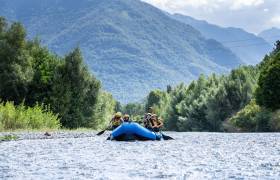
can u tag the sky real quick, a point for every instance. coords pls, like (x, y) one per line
(251, 15)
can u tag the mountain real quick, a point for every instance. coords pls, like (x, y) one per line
(249, 47)
(130, 45)
(270, 35)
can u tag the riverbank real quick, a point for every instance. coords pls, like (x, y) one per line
(36, 134)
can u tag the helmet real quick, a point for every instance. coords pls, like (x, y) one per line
(126, 116)
(150, 109)
(148, 115)
(118, 115)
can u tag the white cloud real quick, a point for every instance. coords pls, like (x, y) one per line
(239, 4)
(275, 20)
(252, 15)
(177, 5)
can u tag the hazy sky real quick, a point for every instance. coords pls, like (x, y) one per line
(251, 15)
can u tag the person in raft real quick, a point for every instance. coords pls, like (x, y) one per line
(155, 123)
(116, 121)
(151, 121)
(126, 118)
(147, 117)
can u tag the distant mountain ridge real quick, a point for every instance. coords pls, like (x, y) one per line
(131, 46)
(270, 35)
(249, 47)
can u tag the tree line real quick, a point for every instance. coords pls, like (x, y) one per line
(247, 99)
(30, 74)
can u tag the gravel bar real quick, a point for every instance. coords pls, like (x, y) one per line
(49, 135)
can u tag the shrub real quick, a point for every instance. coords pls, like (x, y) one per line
(253, 118)
(275, 121)
(21, 117)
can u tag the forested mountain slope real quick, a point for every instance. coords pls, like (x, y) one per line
(249, 47)
(132, 47)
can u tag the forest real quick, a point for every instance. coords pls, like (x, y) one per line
(245, 100)
(39, 89)
(60, 89)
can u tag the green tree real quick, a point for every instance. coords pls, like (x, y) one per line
(16, 64)
(253, 118)
(268, 91)
(134, 109)
(75, 92)
(207, 102)
(153, 98)
(44, 66)
(103, 111)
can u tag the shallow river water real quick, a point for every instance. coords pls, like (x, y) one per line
(190, 156)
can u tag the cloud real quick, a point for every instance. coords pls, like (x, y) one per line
(239, 4)
(251, 15)
(211, 4)
(275, 20)
(177, 5)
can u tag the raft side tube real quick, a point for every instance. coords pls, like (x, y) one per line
(133, 130)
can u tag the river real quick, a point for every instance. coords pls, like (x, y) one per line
(189, 156)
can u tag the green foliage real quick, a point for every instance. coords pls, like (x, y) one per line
(103, 111)
(31, 74)
(206, 103)
(209, 103)
(153, 98)
(253, 118)
(22, 117)
(8, 138)
(75, 92)
(261, 114)
(118, 107)
(128, 43)
(135, 110)
(16, 63)
(275, 121)
(268, 91)
(170, 112)
(44, 65)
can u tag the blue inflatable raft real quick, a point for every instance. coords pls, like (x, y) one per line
(133, 131)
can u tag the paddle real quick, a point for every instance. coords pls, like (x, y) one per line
(101, 132)
(165, 137)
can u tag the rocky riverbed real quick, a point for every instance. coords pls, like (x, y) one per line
(83, 155)
(48, 135)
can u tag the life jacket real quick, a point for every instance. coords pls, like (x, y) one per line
(147, 119)
(150, 122)
(126, 120)
(116, 122)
